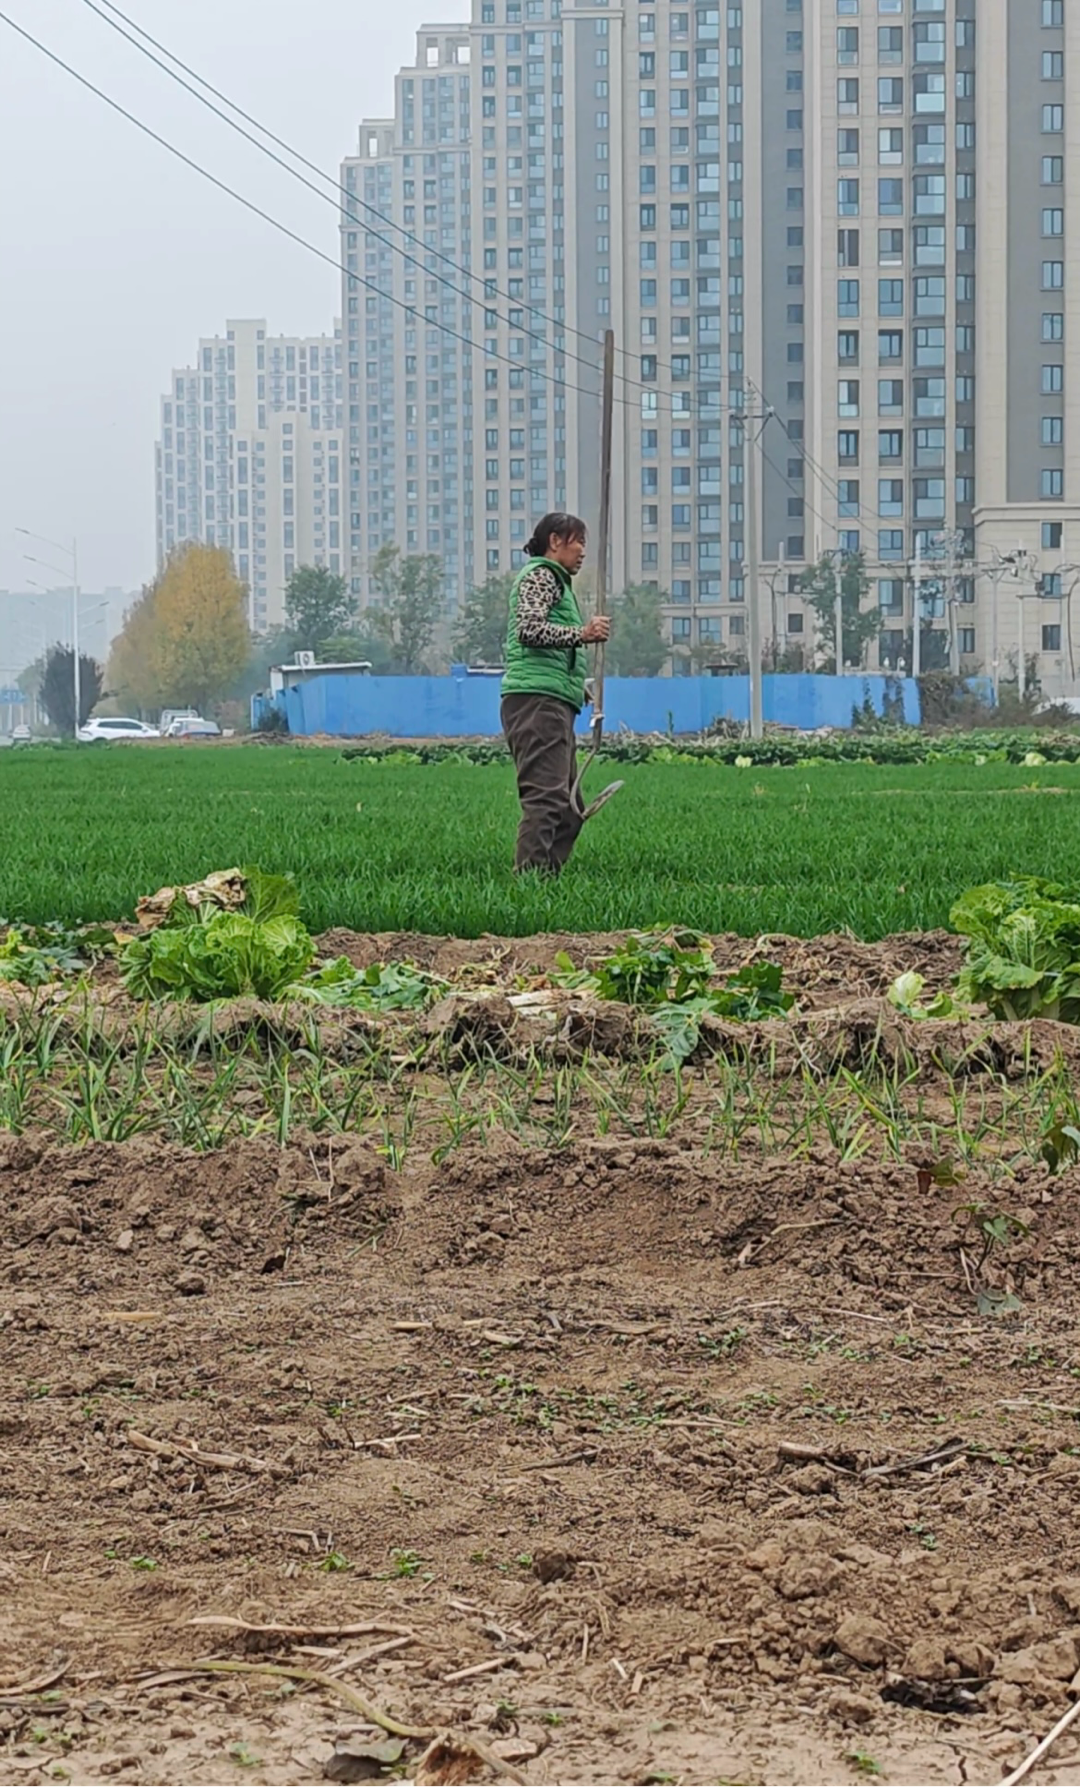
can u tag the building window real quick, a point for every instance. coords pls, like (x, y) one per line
(1053, 431)
(1053, 170)
(1053, 13)
(891, 543)
(890, 497)
(848, 397)
(1051, 483)
(1053, 325)
(1051, 637)
(1053, 221)
(890, 443)
(890, 297)
(1052, 536)
(1053, 65)
(1053, 380)
(966, 641)
(1053, 119)
(847, 297)
(848, 446)
(848, 499)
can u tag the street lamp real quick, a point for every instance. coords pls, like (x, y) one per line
(71, 552)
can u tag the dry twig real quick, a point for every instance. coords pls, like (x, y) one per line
(363, 1630)
(1040, 1749)
(216, 1461)
(464, 1675)
(39, 1683)
(357, 1703)
(354, 1700)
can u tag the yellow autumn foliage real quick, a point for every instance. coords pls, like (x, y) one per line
(186, 640)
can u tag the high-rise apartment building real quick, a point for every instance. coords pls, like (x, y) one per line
(851, 216)
(406, 248)
(252, 457)
(836, 243)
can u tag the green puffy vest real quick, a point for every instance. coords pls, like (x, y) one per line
(555, 670)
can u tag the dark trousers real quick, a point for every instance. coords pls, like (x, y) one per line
(540, 732)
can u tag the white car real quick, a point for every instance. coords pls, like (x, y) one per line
(106, 726)
(192, 726)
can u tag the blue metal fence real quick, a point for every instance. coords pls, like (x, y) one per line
(349, 706)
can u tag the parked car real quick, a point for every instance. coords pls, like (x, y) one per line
(21, 735)
(105, 726)
(192, 726)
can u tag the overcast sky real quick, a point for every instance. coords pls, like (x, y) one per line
(115, 259)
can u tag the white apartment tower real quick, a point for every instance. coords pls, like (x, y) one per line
(406, 252)
(251, 457)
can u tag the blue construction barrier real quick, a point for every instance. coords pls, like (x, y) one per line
(347, 705)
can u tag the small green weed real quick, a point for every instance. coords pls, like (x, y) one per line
(333, 1562)
(864, 1763)
(405, 1563)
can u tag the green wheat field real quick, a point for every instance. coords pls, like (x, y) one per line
(868, 849)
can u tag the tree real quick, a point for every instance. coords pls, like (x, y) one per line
(134, 673)
(58, 688)
(480, 634)
(637, 646)
(186, 640)
(860, 624)
(412, 602)
(317, 606)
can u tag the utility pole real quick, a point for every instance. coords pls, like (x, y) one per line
(1021, 666)
(75, 633)
(607, 413)
(951, 601)
(838, 608)
(751, 442)
(916, 608)
(603, 532)
(996, 575)
(774, 579)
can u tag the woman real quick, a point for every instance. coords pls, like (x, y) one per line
(544, 690)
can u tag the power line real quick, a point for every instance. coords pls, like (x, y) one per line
(352, 199)
(412, 310)
(275, 223)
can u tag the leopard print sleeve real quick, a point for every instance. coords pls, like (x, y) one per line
(537, 596)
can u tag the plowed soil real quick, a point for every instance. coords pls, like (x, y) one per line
(631, 1463)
